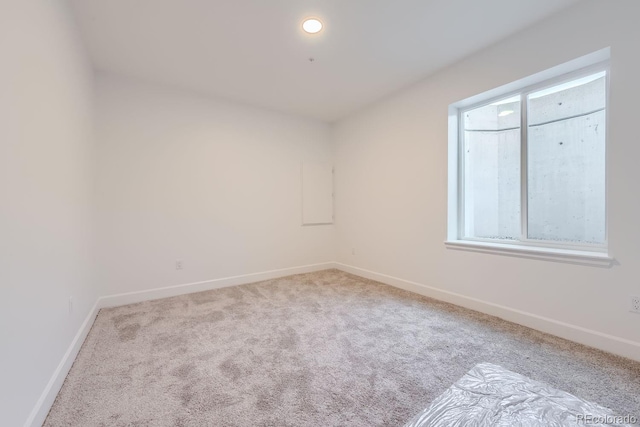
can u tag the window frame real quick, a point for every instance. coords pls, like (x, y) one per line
(586, 252)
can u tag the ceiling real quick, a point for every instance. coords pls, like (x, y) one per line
(254, 51)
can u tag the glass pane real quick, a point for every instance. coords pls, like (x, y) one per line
(566, 162)
(492, 171)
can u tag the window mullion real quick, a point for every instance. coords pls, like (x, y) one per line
(523, 169)
(461, 176)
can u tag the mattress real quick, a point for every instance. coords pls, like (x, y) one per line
(489, 395)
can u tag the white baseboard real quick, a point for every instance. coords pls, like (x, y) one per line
(207, 285)
(48, 396)
(609, 343)
(40, 411)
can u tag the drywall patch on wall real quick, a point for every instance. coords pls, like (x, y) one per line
(317, 193)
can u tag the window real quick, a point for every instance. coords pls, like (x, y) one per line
(530, 166)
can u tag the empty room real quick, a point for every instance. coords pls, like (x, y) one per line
(416, 213)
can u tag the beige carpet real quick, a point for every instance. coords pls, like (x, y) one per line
(319, 349)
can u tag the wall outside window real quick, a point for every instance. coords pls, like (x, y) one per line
(566, 168)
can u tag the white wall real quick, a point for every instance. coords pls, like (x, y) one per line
(45, 197)
(391, 179)
(216, 185)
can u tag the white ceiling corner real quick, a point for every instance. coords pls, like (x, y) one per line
(253, 51)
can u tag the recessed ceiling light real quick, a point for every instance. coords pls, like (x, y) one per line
(505, 113)
(312, 25)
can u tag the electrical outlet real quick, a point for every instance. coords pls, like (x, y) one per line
(635, 304)
(70, 305)
(179, 265)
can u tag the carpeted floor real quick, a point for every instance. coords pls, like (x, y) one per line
(319, 349)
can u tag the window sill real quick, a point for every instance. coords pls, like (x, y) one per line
(549, 254)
